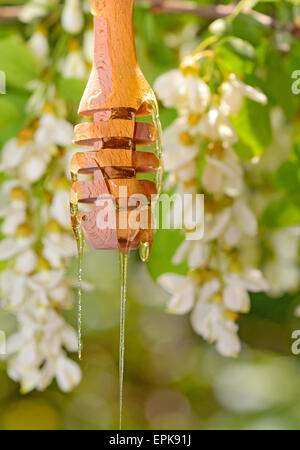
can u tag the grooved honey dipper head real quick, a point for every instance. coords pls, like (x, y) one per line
(108, 177)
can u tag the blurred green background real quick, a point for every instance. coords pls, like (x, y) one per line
(173, 379)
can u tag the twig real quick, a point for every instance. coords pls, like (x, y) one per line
(9, 12)
(208, 11)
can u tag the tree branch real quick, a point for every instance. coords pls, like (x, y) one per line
(208, 11)
(9, 12)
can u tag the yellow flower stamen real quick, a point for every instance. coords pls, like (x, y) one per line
(48, 108)
(62, 184)
(230, 315)
(201, 276)
(17, 193)
(25, 136)
(52, 227)
(216, 148)
(43, 264)
(189, 67)
(74, 45)
(186, 139)
(23, 231)
(193, 119)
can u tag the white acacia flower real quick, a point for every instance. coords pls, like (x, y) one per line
(26, 161)
(38, 96)
(215, 126)
(285, 243)
(72, 17)
(208, 320)
(228, 343)
(13, 289)
(13, 215)
(231, 224)
(73, 65)
(35, 9)
(282, 277)
(58, 247)
(182, 290)
(13, 206)
(242, 222)
(187, 212)
(24, 366)
(13, 246)
(235, 294)
(179, 149)
(233, 92)
(12, 155)
(68, 374)
(34, 164)
(223, 173)
(39, 46)
(50, 285)
(53, 130)
(215, 224)
(35, 354)
(60, 208)
(88, 46)
(188, 94)
(206, 313)
(26, 262)
(196, 252)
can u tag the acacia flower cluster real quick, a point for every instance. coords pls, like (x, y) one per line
(36, 240)
(216, 288)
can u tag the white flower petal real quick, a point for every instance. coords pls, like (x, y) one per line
(198, 255)
(235, 295)
(11, 155)
(183, 300)
(217, 225)
(26, 262)
(72, 17)
(245, 218)
(60, 208)
(182, 252)
(68, 374)
(172, 282)
(254, 281)
(39, 46)
(228, 343)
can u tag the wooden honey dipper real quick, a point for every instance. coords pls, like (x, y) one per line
(116, 94)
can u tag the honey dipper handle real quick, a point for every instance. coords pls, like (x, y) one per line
(116, 80)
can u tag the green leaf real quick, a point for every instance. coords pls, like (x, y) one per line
(281, 213)
(12, 115)
(164, 247)
(241, 47)
(71, 89)
(253, 128)
(278, 83)
(17, 62)
(233, 57)
(247, 28)
(288, 177)
(244, 27)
